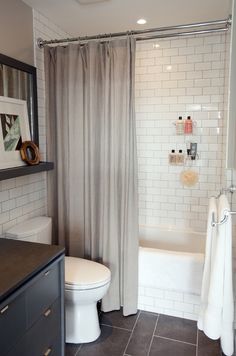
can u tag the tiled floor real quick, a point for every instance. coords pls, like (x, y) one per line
(147, 334)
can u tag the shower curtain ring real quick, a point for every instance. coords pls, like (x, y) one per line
(129, 33)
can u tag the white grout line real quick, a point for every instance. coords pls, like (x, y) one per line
(153, 334)
(116, 327)
(167, 338)
(77, 352)
(132, 332)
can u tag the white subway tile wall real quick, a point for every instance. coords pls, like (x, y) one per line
(180, 77)
(25, 197)
(175, 303)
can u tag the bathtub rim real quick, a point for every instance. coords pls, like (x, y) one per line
(172, 228)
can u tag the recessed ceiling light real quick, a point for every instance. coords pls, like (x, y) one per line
(89, 2)
(141, 21)
(168, 67)
(156, 45)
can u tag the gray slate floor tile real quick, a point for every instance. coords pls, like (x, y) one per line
(112, 342)
(71, 349)
(142, 334)
(166, 347)
(177, 329)
(208, 347)
(133, 336)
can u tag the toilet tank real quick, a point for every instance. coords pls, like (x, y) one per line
(37, 229)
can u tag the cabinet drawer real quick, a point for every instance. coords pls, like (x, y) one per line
(12, 322)
(42, 293)
(42, 335)
(19, 349)
(55, 348)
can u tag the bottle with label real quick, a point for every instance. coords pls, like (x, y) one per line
(180, 157)
(180, 126)
(188, 126)
(172, 157)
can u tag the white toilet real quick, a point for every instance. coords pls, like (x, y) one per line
(86, 282)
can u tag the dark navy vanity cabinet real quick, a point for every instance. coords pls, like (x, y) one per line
(31, 299)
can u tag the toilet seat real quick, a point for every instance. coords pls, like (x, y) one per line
(82, 274)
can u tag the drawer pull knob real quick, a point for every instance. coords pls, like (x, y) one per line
(47, 312)
(4, 309)
(47, 273)
(48, 352)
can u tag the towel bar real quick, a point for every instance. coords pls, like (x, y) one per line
(230, 189)
(225, 218)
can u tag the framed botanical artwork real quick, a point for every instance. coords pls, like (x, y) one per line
(14, 129)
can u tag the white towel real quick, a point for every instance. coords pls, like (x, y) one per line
(225, 236)
(217, 319)
(209, 254)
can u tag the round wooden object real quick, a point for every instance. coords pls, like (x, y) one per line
(30, 153)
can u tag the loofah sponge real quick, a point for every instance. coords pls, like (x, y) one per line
(189, 177)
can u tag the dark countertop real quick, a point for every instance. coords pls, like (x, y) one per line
(19, 261)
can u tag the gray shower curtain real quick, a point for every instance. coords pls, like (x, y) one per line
(91, 138)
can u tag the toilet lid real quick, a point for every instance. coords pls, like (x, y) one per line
(29, 227)
(85, 274)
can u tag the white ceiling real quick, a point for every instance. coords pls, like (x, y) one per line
(121, 15)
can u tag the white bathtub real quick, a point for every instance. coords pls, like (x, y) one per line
(170, 270)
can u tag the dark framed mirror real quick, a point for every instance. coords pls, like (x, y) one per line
(18, 80)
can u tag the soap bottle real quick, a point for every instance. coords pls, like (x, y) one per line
(180, 126)
(188, 126)
(180, 157)
(172, 157)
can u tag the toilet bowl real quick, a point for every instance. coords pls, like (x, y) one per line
(86, 282)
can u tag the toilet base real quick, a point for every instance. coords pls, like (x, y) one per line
(82, 324)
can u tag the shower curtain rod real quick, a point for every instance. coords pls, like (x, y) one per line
(220, 26)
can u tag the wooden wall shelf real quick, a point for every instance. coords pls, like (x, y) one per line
(25, 170)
